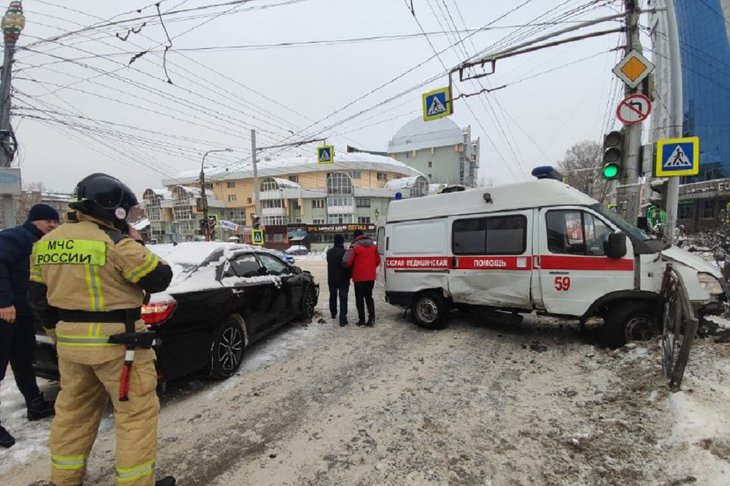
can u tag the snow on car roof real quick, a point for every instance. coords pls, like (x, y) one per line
(191, 273)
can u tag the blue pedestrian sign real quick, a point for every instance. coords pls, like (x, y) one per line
(437, 104)
(257, 237)
(678, 157)
(325, 154)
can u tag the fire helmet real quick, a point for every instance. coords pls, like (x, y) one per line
(105, 197)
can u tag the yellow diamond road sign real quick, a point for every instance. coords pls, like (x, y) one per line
(633, 68)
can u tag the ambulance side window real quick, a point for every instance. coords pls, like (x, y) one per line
(497, 235)
(575, 232)
(380, 240)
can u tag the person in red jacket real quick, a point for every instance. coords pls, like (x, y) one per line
(363, 259)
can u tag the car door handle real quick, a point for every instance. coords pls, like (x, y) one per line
(237, 292)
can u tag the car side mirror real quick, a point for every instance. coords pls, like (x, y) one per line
(615, 246)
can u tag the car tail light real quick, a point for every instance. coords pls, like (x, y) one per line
(155, 313)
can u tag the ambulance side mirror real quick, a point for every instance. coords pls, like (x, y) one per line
(615, 246)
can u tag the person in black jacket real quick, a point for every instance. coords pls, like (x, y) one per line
(338, 279)
(17, 333)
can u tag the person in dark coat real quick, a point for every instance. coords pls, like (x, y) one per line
(338, 279)
(363, 258)
(17, 333)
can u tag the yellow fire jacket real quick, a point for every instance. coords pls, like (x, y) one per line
(87, 265)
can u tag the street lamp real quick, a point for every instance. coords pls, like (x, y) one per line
(202, 190)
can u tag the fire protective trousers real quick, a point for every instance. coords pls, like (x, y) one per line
(83, 399)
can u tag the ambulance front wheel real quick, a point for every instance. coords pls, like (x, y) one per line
(630, 321)
(429, 310)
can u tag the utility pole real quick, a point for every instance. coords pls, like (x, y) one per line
(255, 175)
(632, 133)
(675, 114)
(12, 24)
(628, 191)
(203, 196)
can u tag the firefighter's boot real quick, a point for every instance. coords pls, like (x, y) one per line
(166, 481)
(39, 408)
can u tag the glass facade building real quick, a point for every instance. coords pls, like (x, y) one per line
(705, 54)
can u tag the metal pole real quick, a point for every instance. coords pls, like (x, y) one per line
(255, 175)
(204, 198)
(12, 24)
(203, 195)
(675, 114)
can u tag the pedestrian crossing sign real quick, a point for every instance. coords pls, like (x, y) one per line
(325, 154)
(257, 237)
(678, 157)
(437, 104)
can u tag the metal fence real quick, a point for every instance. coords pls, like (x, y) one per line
(679, 326)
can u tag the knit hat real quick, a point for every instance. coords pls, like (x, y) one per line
(339, 240)
(42, 212)
(357, 233)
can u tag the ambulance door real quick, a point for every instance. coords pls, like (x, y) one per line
(574, 270)
(492, 260)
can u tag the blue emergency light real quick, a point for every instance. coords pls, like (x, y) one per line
(547, 172)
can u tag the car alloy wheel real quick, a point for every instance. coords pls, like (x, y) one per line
(227, 350)
(308, 303)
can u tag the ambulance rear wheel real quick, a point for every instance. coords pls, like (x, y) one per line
(631, 321)
(429, 310)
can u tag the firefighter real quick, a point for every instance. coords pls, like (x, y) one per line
(88, 279)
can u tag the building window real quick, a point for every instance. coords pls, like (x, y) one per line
(294, 178)
(272, 203)
(363, 219)
(429, 177)
(231, 197)
(430, 164)
(249, 200)
(230, 184)
(382, 176)
(684, 211)
(362, 202)
(708, 209)
(317, 221)
(317, 203)
(269, 184)
(355, 174)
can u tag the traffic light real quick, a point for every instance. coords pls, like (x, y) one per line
(202, 226)
(256, 221)
(612, 155)
(659, 193)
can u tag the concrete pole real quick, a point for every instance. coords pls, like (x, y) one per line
(204, 198)
(632, 134)
(255, 176)
(675, 112)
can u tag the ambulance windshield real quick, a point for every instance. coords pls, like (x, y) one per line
(634, 233)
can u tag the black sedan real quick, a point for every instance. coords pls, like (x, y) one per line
(222, 298)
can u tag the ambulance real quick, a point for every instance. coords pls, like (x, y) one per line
(540, 246)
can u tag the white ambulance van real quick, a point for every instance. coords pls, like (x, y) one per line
(537, 246)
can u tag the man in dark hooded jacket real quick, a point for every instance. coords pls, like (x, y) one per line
(17, 333)
(338, 279)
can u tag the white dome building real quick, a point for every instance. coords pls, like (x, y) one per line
(439, 149)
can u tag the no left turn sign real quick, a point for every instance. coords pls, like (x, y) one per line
(634, 109)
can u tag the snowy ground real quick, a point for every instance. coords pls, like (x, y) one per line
(487, 401)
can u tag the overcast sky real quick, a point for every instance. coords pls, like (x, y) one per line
(81, 107)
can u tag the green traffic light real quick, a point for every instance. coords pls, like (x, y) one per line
(610, 171)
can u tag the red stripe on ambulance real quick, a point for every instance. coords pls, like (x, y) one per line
(555, 262)
(418, 263)
(494, 263)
